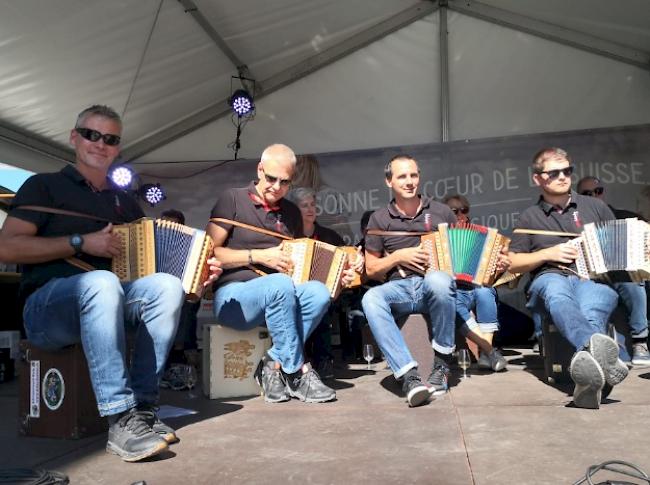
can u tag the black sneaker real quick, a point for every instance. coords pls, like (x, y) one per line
(415, 391)
(132, 439)
(150, 414)
(325, 369)
(438, 377)
(605, 351)
(271, 380)
(308, 387)
(589, 380)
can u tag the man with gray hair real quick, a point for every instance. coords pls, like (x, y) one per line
(243, 223)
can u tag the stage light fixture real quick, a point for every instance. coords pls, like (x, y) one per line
(241, 103)
(152, 193)
(121, 176)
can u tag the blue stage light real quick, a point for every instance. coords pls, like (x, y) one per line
(121, 176)
(241, 103)
(152, 193)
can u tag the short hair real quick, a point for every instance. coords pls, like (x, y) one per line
(299, 194)
(365, 218)
(272, 150)
(545, 154)
(98, 110)
(463, 200)
(173, 214)
(587, 178)
(388, 169)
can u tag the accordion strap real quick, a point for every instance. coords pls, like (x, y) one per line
(545, 233)
(251, 227)
(377, 232)
(53, 210)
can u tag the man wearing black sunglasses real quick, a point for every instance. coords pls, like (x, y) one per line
(579, 309)
(243, 299)
(633, 295)
(66, 305)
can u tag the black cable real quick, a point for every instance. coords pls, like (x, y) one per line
(631, 471)
(28, 476)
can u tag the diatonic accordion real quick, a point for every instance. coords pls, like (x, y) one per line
(316, 260)
(158, 246)
(614, 251)
(468, 252)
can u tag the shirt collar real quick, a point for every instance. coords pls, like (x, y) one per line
(259, 201)
(395, 212)
(548, 208)
(71, 172)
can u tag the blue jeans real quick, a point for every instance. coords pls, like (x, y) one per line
(290, 312)
(434, 295)
(578, 308)
(484, 301)
(94, 308)
(635, 300)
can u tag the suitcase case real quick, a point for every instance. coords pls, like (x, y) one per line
(230, 358)
(56, 397)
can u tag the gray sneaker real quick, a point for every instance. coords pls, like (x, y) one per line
(150, 414)
(308, 387)
(494, 361)
(640, 354)
(416, 392)
(605, 351)
(589, 380)
(271, 380)
(132, 439)
(438, 377)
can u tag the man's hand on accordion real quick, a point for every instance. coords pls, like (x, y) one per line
(503, 261)
(215, 270)
(560, 253)
(274, 258)
(415, 257)
(104, 243)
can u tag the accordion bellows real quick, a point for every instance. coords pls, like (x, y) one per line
(468, 252)
(316, 260)
(159, 246)
(614, 251)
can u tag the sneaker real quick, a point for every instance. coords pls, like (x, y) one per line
(494, 361)
(416, 392)
(605, 351)
(150, 414)
(438, 377)
(308, 387)
(640, 354)
(271, 380)
(132, 439)
(174, 378)
(589, 380)
(325, 369)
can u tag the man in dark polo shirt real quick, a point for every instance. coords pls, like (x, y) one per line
(406, 291)
(244, 300)
(66, 305)
(579, 308)
(633, 295)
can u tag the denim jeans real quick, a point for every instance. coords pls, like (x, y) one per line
(483, 300)
(578, 308)
(290, 312)
(434, 295)
(635, 300)
(95, 308)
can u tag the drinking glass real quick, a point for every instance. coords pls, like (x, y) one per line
(368, 353)
(464, 361)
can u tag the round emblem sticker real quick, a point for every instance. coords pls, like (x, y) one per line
(53, 389)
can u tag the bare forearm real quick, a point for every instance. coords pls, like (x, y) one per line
(525, 262)
(377, 268)
(33, 250)
(233, 258)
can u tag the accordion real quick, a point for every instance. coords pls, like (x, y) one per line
(468, 252)
(157, 246)
(614, 251)
(316, 260)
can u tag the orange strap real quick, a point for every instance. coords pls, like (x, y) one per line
(251, 227)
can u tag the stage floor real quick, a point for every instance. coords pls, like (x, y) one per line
(507, 428)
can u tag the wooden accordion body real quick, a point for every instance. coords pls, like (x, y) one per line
(614, 251)
(316, 260)
(158, 246)
(468, 252)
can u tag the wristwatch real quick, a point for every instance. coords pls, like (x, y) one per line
(76, 241)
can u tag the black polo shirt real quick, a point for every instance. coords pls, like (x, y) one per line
(327, 235)
(544, 216)
(429, 215)
(237, 205)
(68, 190)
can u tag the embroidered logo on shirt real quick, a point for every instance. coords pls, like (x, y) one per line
(576, 219)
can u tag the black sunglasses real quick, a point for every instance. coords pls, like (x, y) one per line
(272, 180)
(94, 135)
(553, 174)
(462, 210)
(596, 191)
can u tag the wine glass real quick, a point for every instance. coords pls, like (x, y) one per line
(464, 361)
(190, 380)
(368, 353)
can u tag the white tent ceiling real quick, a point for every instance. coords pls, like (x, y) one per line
(331, 75)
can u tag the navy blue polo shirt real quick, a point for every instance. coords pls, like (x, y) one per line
(68, 190)
(581, 210)
(389, 218)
